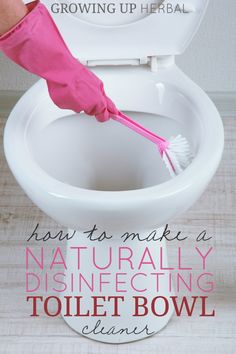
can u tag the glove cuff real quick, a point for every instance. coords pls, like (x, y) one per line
(11, 36)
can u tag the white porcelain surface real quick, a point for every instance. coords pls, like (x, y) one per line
(81, 172)
(65, 190)
(130, 36)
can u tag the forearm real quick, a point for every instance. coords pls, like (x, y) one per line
(11, 12)
(36, 45)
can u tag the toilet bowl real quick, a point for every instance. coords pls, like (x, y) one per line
(82, 174)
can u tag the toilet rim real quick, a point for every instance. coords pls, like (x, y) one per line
(18, 154)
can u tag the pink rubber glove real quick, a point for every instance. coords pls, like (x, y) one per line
(36, 44)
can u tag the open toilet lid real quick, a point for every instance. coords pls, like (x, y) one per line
(140, 33)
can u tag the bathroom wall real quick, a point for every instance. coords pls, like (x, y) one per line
(210, 60)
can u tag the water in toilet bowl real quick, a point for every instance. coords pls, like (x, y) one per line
(79, 151)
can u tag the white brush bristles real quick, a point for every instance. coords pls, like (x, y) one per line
(177, 156)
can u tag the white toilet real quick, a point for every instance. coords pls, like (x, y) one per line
(82, 173)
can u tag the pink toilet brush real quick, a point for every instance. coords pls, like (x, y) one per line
(175, 152)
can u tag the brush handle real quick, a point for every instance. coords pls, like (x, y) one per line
(128, 122)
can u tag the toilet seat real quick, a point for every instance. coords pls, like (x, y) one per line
(156, 34)
(28, 118)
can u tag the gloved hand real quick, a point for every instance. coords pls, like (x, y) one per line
(36, 44)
